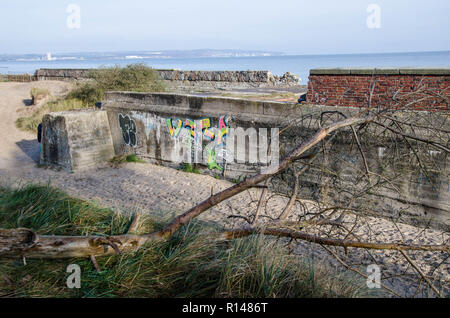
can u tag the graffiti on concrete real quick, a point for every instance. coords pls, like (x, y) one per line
(129, 130)
(190, 125)
(212, 163)
(435, 185)
(223, 129)
(174, 130)
(175, 126)
(205, 124)
(201, 140)
(194, 128)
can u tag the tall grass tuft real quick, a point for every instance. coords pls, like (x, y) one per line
(133, 77)
(31, 122)
(35, 92)
(190, 264)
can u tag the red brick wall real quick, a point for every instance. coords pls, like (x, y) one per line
(419, 92)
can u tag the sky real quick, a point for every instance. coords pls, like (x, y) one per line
(289, 26)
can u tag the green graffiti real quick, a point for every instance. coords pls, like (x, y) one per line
(212, 164)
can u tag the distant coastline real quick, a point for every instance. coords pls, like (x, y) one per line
(276, 62)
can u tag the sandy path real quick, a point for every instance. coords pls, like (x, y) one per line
(165, 191)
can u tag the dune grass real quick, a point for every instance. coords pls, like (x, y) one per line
(187, 167)
(36, 91)
(190, 264)
(133, 77)
(118, 160)
(31, 122)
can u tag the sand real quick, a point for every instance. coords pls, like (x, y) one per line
(163, 191)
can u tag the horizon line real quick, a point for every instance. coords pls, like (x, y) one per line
(279, 53)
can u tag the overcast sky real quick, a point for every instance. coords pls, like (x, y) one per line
(290, 26)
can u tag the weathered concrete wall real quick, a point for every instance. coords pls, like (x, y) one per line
(170, 129)
(235, 138)
(187, 80)
(353, 87)
(75, 140)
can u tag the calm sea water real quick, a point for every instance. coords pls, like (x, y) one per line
(297, 64)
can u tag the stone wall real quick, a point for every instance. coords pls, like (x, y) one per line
(61, 74)
(192, 79)
(380, 87)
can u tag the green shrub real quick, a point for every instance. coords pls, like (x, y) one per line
(87, 92)
(133, 77)
(190, 264)
(134, 158)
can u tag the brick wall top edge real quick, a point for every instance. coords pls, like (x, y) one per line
(380, 71)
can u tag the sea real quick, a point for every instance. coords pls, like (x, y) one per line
(278, 64)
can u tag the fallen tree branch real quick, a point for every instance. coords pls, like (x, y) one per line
(233, 234)
(26, 243)
(357, 271)
(261, 201)
(288, 208)
(260, 177)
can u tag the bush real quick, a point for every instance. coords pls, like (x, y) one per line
(190, 264)
(133, 77)
(87, 92)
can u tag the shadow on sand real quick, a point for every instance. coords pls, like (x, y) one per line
(31, 148)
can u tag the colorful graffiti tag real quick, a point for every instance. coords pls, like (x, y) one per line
(203, 126)
(129, 131)
(174, 131)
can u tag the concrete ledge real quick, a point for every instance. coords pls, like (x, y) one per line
(329, 71)
(380, 71)
(375, 71)
(193, 103)
(425, 71)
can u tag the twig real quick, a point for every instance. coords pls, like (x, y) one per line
(232, 234)
(134, 224)
(261, 201)
(420, 272)
(357, 271)
(94, 261)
